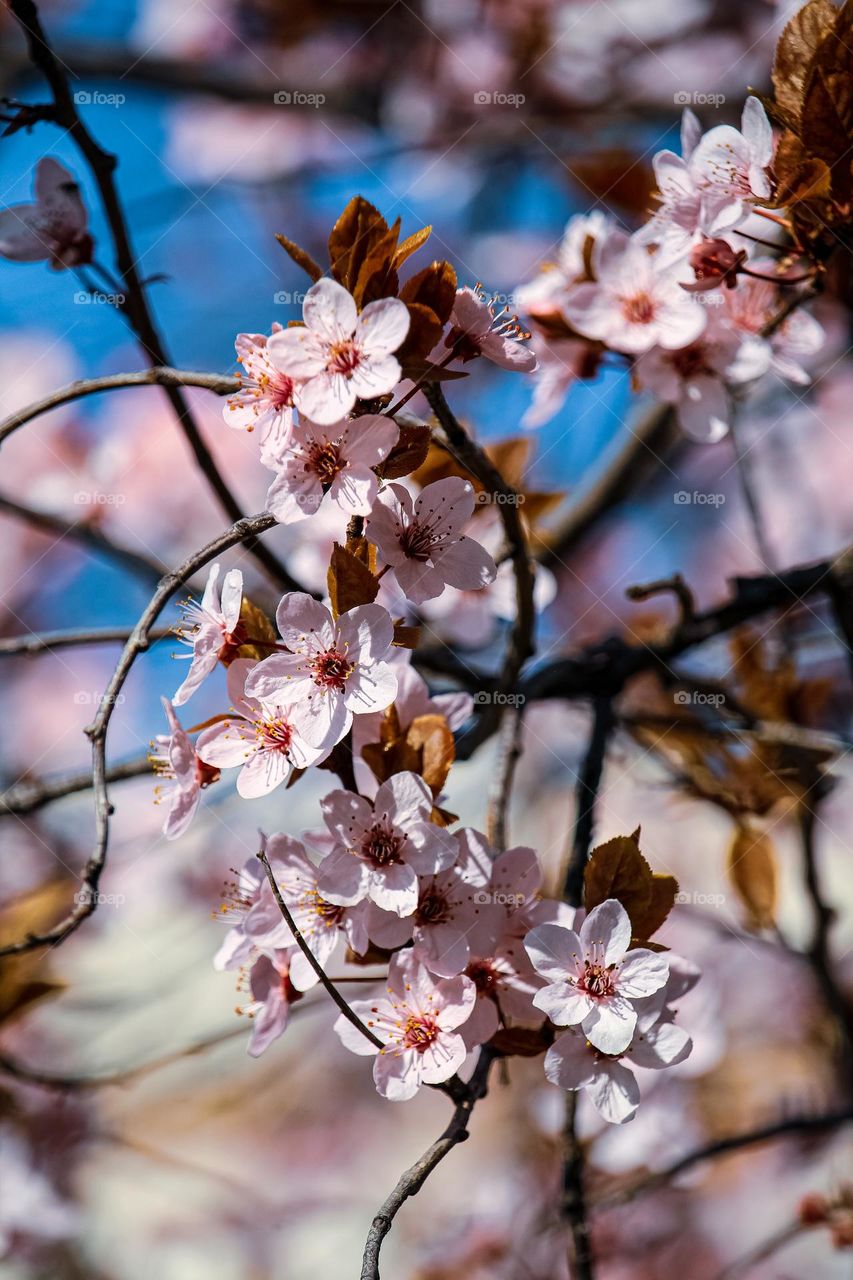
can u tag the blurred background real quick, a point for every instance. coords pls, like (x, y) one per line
(494, 122)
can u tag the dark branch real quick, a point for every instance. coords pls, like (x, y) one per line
(26, 797)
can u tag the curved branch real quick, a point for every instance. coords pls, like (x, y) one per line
(414, 1178)
(477, 462)
(86, 897)
(789, 1127)
(88, 536)
(47, 641)
(136, 309)
(312, 959)
(155, 376)
(26, 797)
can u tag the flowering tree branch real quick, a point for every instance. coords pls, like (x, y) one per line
(32, 794)
(47, 641)
(87, 895)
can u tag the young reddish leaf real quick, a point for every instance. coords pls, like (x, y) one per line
(256, 626)
(661, 901)
(434, 287)
(753, 873)
(406, 637)
(408, 454)
(432, 737)
(301, 257)
(522, 1042)
(425, 330)
(617, 869)
(795, 51)
(350, 581)
(411, 245)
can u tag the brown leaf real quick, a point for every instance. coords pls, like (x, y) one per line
(434, 287)
(301, 257)
(411, 245)
(752, 869)
(795, 50)
(361, 250)
(350, 581)
(617, 869)
(255, 625)
(408, 454)
(425, 330)
(27, 978)
(799, 178)
(406, 637)
(661, 901)
(432, 737)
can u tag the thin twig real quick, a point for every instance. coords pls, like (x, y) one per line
(86, 898)
(312, 959)
(789, 1127)
(31, 794)
(476, 461)
(586, 796)
(509, 753)
(47, 641)
(155, 376)
(818, 953)
(103, 165)
(414, 1178)
(87, 535)
(573, 1206)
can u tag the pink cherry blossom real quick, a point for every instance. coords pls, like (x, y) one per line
(594, 979)
(635, 302)
(273, 993)
(337, 459)
(735, 162)
(506, 983)
(261, 739)
(573, 1062)
(213, 624)
(54, 227)
(477, 329)
(562, 361)
(378, 850)
(335, 668)
(264, 402)
(453, 920)
(694, 379)
(417, 1020)
(176, 758)
(322, 924)
(339, 356)
(513, 878)
(422, 539)
(748, 309)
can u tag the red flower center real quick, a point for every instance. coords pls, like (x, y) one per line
(344, 358)
(419, 1032)
(274, 735)
(597, 980)
(331, 670)
(381, 846)
(638, 309)
(325, 460)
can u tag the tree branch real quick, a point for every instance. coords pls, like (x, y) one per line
(87, 896)
(155, 376)
(103, 165)
(25, 797)
(47, 641)
(414, 1178)
(587, 794)
(789, 1127)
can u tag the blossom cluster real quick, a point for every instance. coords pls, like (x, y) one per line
(694, 301)
(473, 950)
